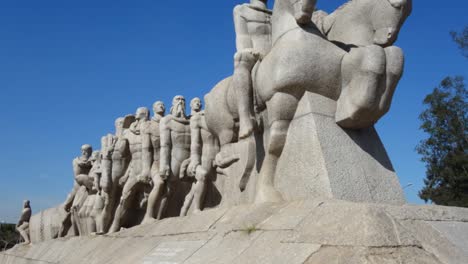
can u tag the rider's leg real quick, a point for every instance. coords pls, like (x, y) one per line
(242, 85)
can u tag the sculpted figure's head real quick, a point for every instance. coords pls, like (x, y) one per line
(142, 114)
(159, 108)
(86, 151)
(119, 123)
(26, 204)
(178, 106)
(196, 105)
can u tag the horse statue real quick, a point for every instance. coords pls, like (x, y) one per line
(349, 58)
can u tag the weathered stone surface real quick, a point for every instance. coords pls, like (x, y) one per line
(46, 224)
(309, 231)
(361, 255)
(172, 252)
(342, 164)
(269, 248)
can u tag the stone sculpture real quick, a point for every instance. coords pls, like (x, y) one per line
(138, 173)
(83, 211)
(253, 42)
(299, 74)
(85, 214)
(153, 132)
(115, 160)
(23, 223)
(203, 149)
(81, 167)
(301, 60)
(175, 149)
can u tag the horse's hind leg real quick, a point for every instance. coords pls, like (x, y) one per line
(394, 71)
(363, 70)
(281, 109)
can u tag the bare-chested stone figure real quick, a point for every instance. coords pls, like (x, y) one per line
(113, 165)
(253, 42)
(138, 172)
(154, 134)
(203, 149)
(23, 223)
(81, 167)
(175, 149)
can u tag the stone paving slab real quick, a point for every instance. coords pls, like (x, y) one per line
(302, 232)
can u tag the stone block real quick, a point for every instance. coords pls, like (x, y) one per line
(323, 160)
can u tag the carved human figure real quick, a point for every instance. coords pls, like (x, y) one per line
(138, 172)
(175, 149)
(23, 223)
(82, 218)
(203, 149)
(154, 134)
(113, 165)
(92, 205)
(253, 41)
(81, 167)
(302, 60)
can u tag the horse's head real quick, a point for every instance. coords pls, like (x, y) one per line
(387, 17)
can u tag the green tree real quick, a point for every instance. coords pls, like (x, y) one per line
(445, 152)
(462, 40)
(8, 236)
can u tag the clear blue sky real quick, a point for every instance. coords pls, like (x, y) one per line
(69, 68)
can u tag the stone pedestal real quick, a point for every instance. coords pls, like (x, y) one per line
(299, 232)
(323, 160)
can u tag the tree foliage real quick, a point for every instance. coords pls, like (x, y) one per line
(445, 152)
(461, 39)
(8, 236)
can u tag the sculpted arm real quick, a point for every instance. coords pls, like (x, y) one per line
(243, 40)
(76, 168)
(195, 145)
(165, 133)
(119, 156)
(147, 155)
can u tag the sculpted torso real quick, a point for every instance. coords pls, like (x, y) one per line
(209, 146)
(155, 138)
(180, 137)
(81, 166)
(134, 139)
(254, 23)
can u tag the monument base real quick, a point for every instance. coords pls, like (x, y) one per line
(306, 232)
(323, 160)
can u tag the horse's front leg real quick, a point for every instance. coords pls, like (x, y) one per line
(362, 73)
(304, 10)
(394, 71)
(281, 109)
